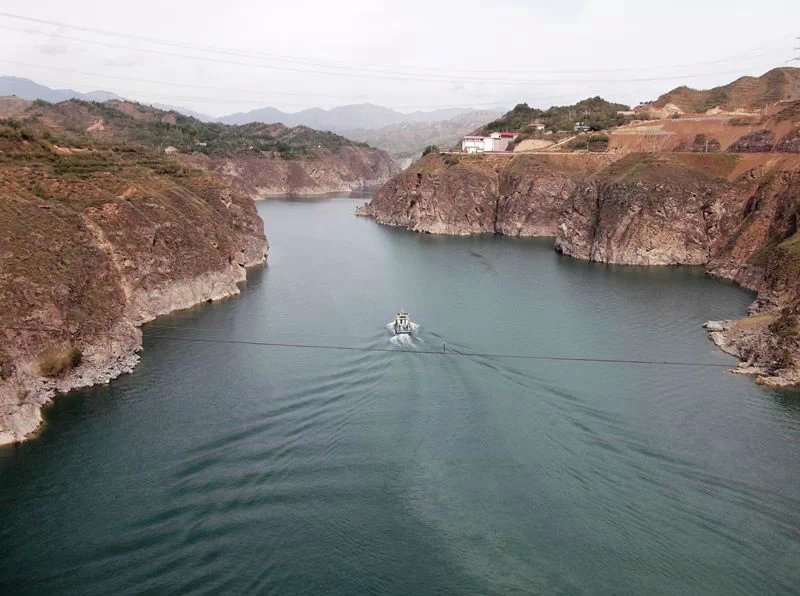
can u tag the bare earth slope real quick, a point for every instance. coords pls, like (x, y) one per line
(777, 131)
(745, 93)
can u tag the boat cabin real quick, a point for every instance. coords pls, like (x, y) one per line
(402, 324)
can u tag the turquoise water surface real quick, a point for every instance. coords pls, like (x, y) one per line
(233, 468)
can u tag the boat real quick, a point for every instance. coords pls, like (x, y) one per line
(402, 324)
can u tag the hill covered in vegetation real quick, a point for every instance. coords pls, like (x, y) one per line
(594, 112)
(122, 122)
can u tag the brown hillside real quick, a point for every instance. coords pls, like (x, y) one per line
(93, 242)
(745, 93)
(12, 106)
(258, 159)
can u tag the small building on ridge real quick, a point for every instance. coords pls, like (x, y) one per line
(497, 141)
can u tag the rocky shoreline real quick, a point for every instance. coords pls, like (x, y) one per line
(86, 260)
(114, 353)
(736, 215)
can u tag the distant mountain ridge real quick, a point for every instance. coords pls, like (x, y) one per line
(184, 111)
(405, 141)
(350, 117)
(365, 116)
(27, 89)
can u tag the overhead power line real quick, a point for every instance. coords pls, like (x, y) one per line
(260, 93)
(350, 65)
(448, 352)
(367, 73)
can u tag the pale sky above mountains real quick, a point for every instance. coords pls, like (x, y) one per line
(232, 56)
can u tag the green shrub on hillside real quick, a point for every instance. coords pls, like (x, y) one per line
(596, 143)
(13, 129)
(784, 326)
(39, 191)
(718, 98)
(83, 165)
(55, 361)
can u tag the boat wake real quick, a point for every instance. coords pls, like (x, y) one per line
(403, 340)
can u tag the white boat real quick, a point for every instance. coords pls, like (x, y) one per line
(402, 324)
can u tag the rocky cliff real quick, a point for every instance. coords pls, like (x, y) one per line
(95, 241)
(649, 210)
(735, 214)
(454, 194)
(346, 169)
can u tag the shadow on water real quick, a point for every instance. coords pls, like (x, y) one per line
(788, 400)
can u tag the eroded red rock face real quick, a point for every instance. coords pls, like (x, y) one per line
(760, 141)
(646, 210)
(451, 194)
(457, 198)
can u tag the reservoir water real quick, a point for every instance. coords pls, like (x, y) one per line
(234, 468)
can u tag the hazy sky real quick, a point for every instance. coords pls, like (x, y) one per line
(234, 55)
